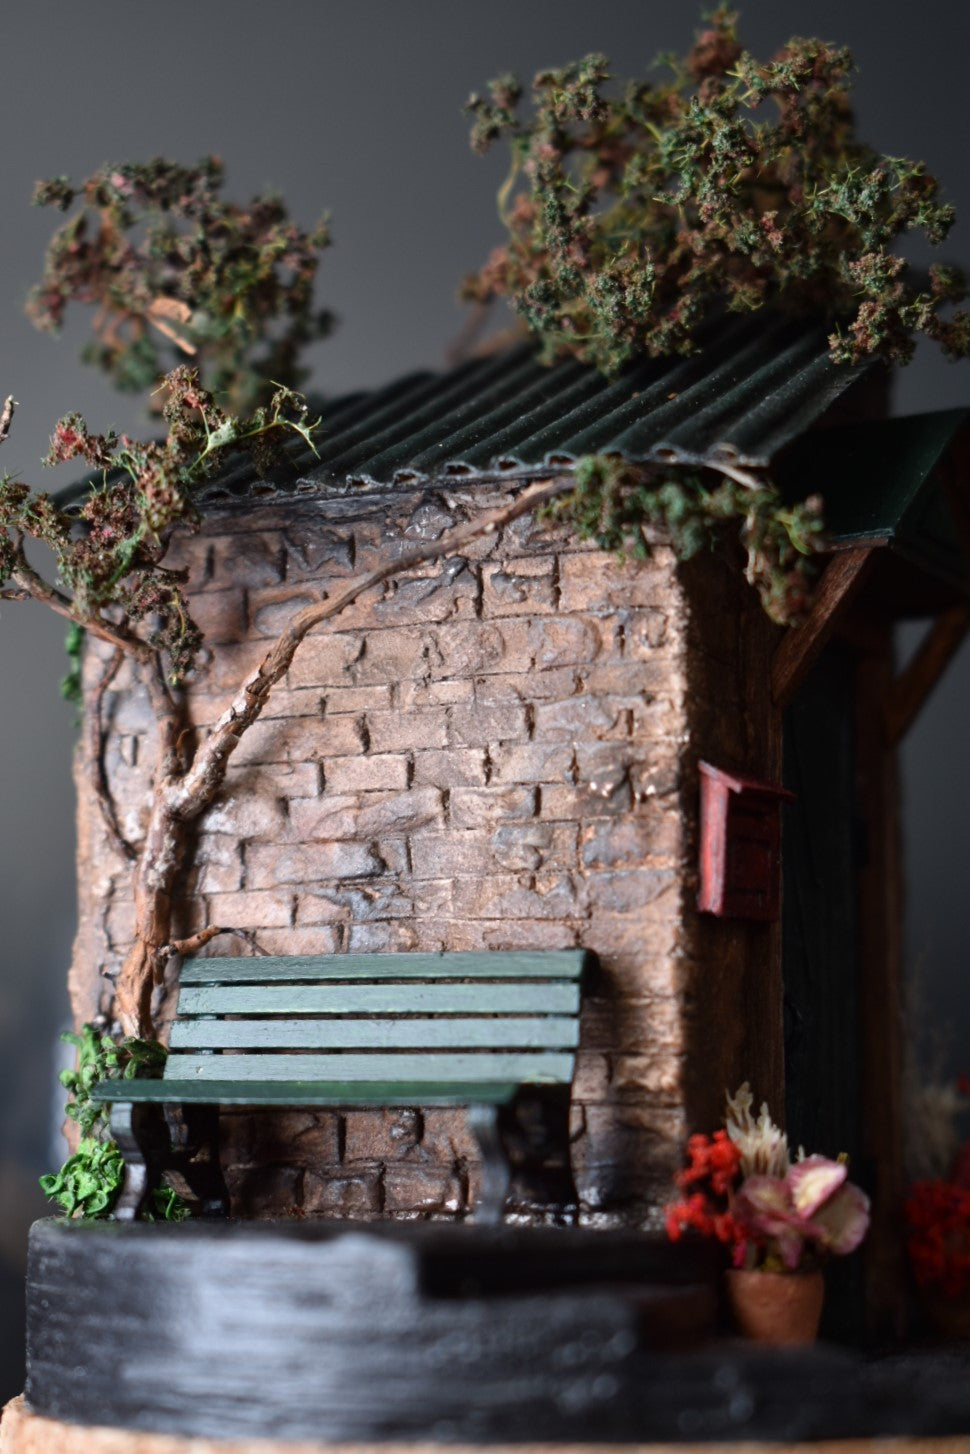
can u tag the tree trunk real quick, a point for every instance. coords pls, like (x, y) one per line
(159, 863)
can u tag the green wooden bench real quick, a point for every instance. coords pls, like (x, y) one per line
(496, 1032)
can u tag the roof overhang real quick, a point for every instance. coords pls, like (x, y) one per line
(901, 486)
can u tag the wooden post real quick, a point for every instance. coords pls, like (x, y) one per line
(734, 1024)
(910, 691)
(880, 989)
(802, 646)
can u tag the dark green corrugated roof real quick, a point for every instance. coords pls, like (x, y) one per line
(755, 385)
(754, 388)
(881, 482)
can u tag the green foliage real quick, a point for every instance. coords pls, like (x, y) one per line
(167, 1206)
(109, 553)
(90, 1181)
(633, 214)
(174, 271)
(99, 1057)
(618, 505)
(71, 683)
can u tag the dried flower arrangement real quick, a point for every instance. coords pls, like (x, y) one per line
(775, 1215)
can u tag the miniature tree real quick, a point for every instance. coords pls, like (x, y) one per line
(109, 575)
(638, 217)
(111, 581)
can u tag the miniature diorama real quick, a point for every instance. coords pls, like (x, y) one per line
(487, 803)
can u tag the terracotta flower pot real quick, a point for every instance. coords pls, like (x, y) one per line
(776, 1307)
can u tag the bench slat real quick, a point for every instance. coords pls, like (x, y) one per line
(549, 1033)
(305, 1093)
(380, 999)
(547, 964)
(393, 1066)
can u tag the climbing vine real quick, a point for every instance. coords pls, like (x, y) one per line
(636, 213)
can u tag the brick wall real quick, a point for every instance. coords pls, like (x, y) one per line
(488, 754)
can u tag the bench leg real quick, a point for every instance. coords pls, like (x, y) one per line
(135, 1130)
(495, 1167)
(200, 1165)
(535, 1136)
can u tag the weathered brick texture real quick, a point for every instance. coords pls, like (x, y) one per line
(487, 754)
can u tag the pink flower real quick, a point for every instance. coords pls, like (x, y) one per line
(838, 1208)
(812, 1205)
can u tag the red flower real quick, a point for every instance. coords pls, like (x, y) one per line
(709, 1179)
(711, 1157)
(937, 1214)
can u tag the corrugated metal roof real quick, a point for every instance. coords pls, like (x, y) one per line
(881, 481)
(756, 383)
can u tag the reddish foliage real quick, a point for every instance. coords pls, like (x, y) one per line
(176, 271)
(937, 1216)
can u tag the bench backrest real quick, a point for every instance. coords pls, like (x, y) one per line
(463, 1018)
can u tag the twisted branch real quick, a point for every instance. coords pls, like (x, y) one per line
(96, 743)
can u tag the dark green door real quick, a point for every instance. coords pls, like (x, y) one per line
(822, 847)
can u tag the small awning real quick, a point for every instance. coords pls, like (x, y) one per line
(893, 483)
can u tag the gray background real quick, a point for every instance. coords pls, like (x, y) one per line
(357, 108)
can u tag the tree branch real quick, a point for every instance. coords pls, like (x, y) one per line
(32, 586)
(102, 790)
(193, 942)
(188, 796)
(169, 719)
(182, 947)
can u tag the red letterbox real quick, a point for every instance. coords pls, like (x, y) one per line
(740, 846)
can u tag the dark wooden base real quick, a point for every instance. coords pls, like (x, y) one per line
(431, 1333)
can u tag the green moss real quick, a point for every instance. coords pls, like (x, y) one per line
(71, 683)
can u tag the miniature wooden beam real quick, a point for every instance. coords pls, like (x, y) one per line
(913, 686)
(803, 644)
(911, 689)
